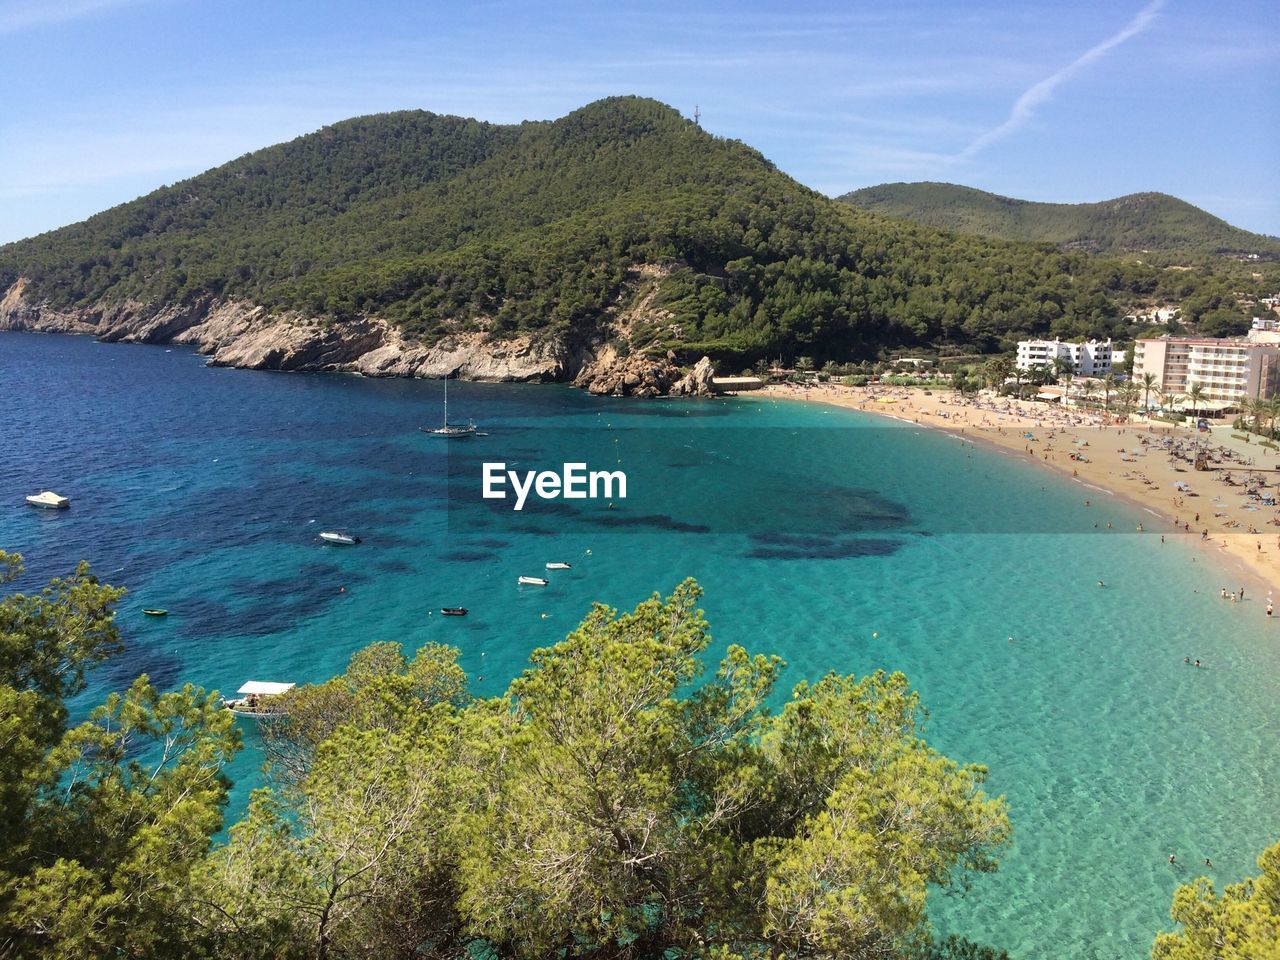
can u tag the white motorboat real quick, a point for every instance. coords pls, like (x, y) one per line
(555, 565)
(49, 500)
(259, 699)
(341, 539)
(533, 581)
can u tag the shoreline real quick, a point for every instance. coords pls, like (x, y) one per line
(1127, 461)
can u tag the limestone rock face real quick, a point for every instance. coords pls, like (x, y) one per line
(237, 334)
(641, 376)
(697, 382)
(632, 376)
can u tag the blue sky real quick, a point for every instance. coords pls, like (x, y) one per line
(103, 100)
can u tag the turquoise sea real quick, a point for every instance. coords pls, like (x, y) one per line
(839, 540)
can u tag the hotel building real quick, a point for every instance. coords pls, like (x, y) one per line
(1227, 371)
(1092, 359)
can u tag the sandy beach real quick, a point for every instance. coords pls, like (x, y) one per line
(1228, 511)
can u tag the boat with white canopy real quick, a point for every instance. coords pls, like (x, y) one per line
(259, 698)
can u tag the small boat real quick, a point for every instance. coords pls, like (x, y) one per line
(342, 539)
(450, 431)
(258, 698)
(533, 581)
(454, 611)
(49, 500)
(554, 565)
(156, 613)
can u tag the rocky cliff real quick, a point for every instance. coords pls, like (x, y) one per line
(238, 334)
(638, 375)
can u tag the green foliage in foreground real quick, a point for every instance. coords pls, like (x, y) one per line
(101, 824)
(440, 224)
(1241, 923)
(613, 803)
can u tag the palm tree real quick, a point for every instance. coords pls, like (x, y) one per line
(1170, 399)
(1108, 384)
(1256, 408)
(1090, 388)
(1149, 382)
(1273, 411)
(1195, 394)
(996, 371)
(1128, 394)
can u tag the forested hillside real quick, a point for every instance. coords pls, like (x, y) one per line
(1137, 223)
(440, 224)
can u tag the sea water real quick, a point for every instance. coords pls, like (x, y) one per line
(841, 541)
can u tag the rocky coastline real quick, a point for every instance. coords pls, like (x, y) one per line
(248, 336)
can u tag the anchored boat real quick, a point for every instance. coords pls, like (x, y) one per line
(49, 500)
(533, 581)
(450, 431)
(559, 566)
(454, 611)
(156, 612)
(259, 699)
(341, 539)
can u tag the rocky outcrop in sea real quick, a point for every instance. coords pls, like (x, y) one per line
(638, 375)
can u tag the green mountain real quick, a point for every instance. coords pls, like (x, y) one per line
(1137, 223)
(620, 222)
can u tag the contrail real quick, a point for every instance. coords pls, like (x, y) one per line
(27, 14)
(1039, 94)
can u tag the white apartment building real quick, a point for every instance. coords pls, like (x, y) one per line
(1227, 371)
(1092, 359)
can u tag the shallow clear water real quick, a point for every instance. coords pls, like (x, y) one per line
(841, 541)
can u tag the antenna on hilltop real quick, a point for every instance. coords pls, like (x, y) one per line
(697, 115)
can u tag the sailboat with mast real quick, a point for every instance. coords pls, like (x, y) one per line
(450, 431)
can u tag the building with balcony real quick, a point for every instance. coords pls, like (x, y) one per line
(1091, 359)
(1228, 372)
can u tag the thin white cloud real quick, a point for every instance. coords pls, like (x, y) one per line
(1039, 94)
(19, 15)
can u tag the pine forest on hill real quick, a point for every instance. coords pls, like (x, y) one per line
(440, 224)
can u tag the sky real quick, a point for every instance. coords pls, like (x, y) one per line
(104, 100)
